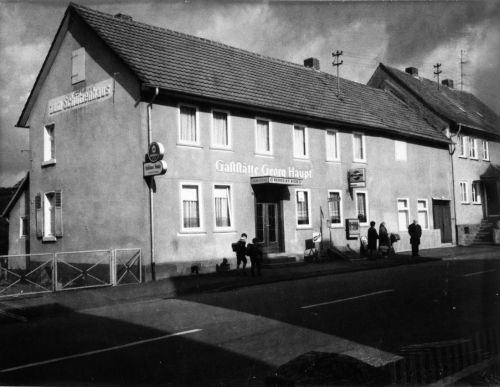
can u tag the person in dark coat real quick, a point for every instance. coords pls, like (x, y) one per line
(384, 241)
(241, 251)
(372, 240)
(254, 251)
(415, 232)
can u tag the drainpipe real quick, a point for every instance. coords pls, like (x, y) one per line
(151, 197)
(452, 151)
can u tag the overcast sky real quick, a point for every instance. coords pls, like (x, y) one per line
(397, 33)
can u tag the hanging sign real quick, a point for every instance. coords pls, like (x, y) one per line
(357, 178)
(154, 169)
(156, 151)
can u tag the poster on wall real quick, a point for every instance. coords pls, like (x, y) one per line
(352, 228)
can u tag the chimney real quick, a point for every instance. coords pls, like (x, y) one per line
(123, 16)
(448, 82)
(412, 71)
(312, 63)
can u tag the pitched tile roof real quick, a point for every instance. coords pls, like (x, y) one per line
(457, 106)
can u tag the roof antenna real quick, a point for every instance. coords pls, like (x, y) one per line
(437, 72)
(337, 62)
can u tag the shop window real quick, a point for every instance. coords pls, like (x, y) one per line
(300, 141)
(78, 66)
(464, 192)
(358, 144)
(403, 214)
(423, 213)
(362, 207)
(223, 206)
(472, 148)
(335, 208)
(462, 146)
(220, 130)
(476, 193)
(190, 197)
(332, 145)
(263, 138)
(24, 227)
(400, 150)
(49, 149)
(485, 151)
(188, 126)
(303, 208)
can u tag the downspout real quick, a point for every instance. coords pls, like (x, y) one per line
(452, 151)
(151, 197)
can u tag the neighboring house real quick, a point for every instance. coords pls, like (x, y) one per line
(253, 144)
(475, 131)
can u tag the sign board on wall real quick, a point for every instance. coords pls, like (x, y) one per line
(352, 228)
(156, 151)
(357, 178)
(154, 169)
(80, 98)
(275, 180)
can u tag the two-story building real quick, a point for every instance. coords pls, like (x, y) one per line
(475, 154)
(252, 144)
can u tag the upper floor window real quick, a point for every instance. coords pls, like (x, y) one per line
(423, 213)
(190, 198)
(403, 213)
(462, 151)
(332, 145)
(303, 208)
(464, 192)
(335, 208)
(485, 151)
(472, 148)
(300, 141)
(400, 150)
(49, 149)
(263, 139)
(220, 130)
(188, 126)
(78, 65)
(358, 145)
(223, 207)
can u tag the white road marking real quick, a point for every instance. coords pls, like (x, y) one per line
(479, 272)
(347, 299)
(98, 351)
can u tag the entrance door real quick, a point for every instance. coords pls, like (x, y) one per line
(267, 226)
(492, 197)
(442, 219)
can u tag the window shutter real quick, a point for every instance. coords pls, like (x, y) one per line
(78, 65)
(58, 214)
(38, 215)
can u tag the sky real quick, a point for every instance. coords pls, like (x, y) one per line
(397, 33)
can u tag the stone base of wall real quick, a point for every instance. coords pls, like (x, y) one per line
(466, 233)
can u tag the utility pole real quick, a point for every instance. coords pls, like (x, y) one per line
(337, 62)
(438, 71)
(462, 62)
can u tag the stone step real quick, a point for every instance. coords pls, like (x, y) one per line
(278, 258)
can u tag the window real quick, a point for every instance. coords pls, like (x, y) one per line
(332, 145)
(188, 128)
(334, 208)
(303, 208)
(300, 141)
(362, 207)
(190, 196)
(24, 227)
(464, 194)
(423, 213)
(49, 149)
(485, 151)
(400, 149)
(462, 141)
(358, 144)
(48, 216)
(403, 214)
(223, 209)
(263, 138)
(472, 148)
(220, 130)
(476, 193)
(78, 66)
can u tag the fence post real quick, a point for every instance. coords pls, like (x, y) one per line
(112, 267)
(54, 272)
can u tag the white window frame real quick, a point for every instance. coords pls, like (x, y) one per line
(476, 199)
(473, 151)
(228, 146)
(462, 146)
(78, 65)
(192, 230)
(336, 156)
(270, 129)
(196, 143)
(49, 224)
(464, 190)
(356, 192)
(308, 225)
(230, 205)
(485, 150)
(21, 222)
(363, 145)
(305, 144)
(400, 150)
(402, 227)
(341, 212)
(426, 213)
(49, 146)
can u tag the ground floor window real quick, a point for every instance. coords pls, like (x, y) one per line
(423, 213)
(334, 208)
(48, 213)
(190, 197)
(403, 213)
(362, 207)
(223, 208)
(476, 193)
(24, 226)
(464, 192)
(303, 208)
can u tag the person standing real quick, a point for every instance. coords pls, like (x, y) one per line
(384, 242)
(372, 240)
(241, 250)
(415, 232)
(254, 251)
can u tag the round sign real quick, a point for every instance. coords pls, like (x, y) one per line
(155, 152)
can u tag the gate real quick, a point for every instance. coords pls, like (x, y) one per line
(128, 268)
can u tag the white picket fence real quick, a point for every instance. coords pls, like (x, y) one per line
(50, 272)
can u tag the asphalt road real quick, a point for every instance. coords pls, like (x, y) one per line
(238, 337)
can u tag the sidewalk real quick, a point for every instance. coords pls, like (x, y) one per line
(178, 286)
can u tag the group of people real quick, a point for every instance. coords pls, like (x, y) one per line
(386, 240)
(252, 250)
